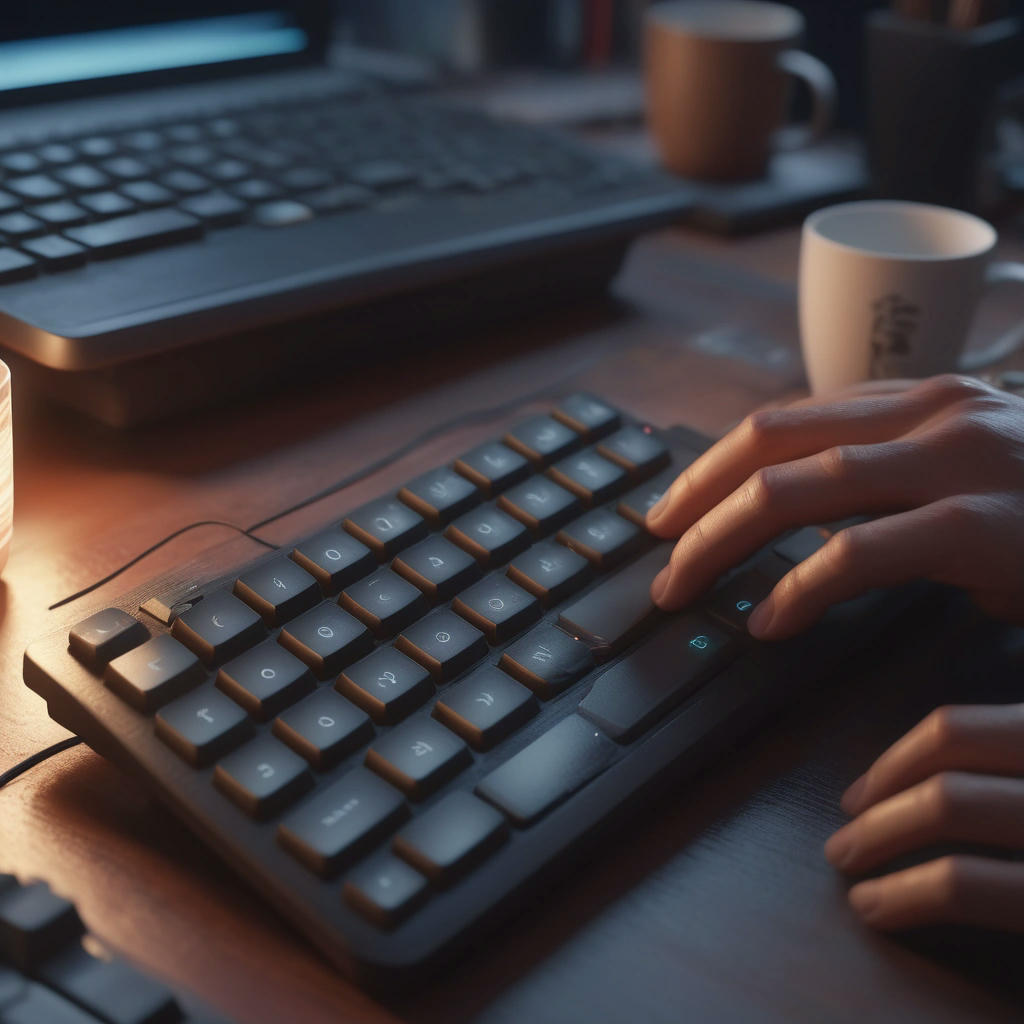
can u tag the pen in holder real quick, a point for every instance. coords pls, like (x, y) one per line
(931, 90)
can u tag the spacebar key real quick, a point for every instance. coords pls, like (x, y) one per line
(550, 769)
(612, 615)
(137, 231)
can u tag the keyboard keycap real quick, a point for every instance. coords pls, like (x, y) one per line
(443, 643)
(62, 213)
(587, 415)
(216, 208)
(21, 225)
(97, 146)
(337, 197)
(385, 890)
(591, 478)
(418, 756)
(440, 495)
(136, 231)
(323, 728)
(265, 680)
(301, 178)
(16, 265)
(384, 601)
(335, 559)
(635, 505)
(603, 538)
(181, 180)
(8, 202)
(549, 571)
(450, 838)
(542, 506)
(547, 661)
(385, 526)
(387, 685)
(35, 187)
(125, 168)
(82, 176)
(263, 777)
(149, 193)
(54, 252)
(333, 828)
(281, 213)
(800, 545)
(153, 673)
(20, 162)
(541, 439)
(498, 607)
(493, 467)
(642, 688)
(326, 639)
(34, 922)
(548, 771)
(202, 726)
(382, 174)
(733, 602)
(614, 614)
(489, 535)
(254, 190)
(637, 451)
(56, 153)
(278, 590)
(218, 627)
(485, 707)
(106, 635)
(437, 568)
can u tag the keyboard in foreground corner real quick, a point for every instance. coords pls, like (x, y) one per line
(393, 726)
(52, 973)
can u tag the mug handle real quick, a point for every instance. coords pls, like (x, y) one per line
(822, 85)
(999, 272)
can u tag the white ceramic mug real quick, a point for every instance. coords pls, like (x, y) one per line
(889, 289)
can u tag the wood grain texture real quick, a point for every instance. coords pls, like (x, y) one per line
(716, 906)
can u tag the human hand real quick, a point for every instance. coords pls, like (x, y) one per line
(941, 462)
(949, 779)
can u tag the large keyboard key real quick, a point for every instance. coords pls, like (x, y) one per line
(591, 478)
(443, 643)
(385, 602)
(733, 602)
(603, 538)
(437, 567)
(136, 231)
(550, 572)
(635, 505)
(642, 688)
(453, 836)
(418, 756)
(541, 439)
(548, 771)
(540, 505)
(493, 467)
(485, 707)
(278, 590)
(263, 777)
(636, 450)
(385, 890)
(34, 922)
(614, 614)
(497, 607)
(336, 826)
(547, 660)
(110, 988)
(387, 685)
(153, 673)
(440, 495)
(489, 535)
(323, 728)
(202, 726)
(55, 253)
(587, 415)
(218, 627)
(386, 526)
(335, 559)
(326, 639)
(265, 680)
(105, 635)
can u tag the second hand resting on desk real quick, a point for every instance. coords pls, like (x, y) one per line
(941, 465)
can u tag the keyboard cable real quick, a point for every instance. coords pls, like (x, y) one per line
(37, 758)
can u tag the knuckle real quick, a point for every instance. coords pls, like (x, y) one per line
(961, 514)
(944, 727)
(951, 877)
(940, 796)
(762, 426)
(952, 386)
(763, 487)
(844, 549)
(838, 462)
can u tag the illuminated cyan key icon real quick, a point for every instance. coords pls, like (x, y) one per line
(743, 606)
(701, 642)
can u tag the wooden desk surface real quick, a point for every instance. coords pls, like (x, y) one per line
(717, 906)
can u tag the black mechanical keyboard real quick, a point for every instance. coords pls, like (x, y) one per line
(395, 725)
(52, 972)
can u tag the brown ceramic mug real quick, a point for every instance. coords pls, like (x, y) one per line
(717, 75)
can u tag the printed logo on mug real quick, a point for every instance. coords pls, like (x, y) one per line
(889, 289)
(717, 85)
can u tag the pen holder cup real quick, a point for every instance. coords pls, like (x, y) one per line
(930, 92)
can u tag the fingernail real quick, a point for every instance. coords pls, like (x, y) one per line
(839, 849)
(850, 800)
(655, 511)
(864, 897)
(660, 583)
(761, 618)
